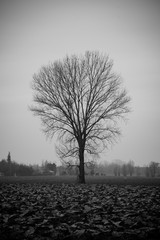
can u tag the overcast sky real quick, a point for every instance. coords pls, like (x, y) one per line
(35, 32)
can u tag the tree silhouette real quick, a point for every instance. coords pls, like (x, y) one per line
(9, 158)
(81, 99)
(9, 162)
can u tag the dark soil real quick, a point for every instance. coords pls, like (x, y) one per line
(45, 211)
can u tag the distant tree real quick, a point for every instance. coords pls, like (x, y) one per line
(153, 167)
(147, 171)
(71, 169)
(138, 171)
(91, 166)
(52, 167)
(130, 167)
(49, 167)
(117, 170)
(9, 162)
(124, 170)
(9, 158)
(14, 168)
(81, 99)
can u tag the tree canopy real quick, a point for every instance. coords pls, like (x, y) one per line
(81, 99)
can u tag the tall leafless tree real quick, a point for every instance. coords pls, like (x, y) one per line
(81, 99)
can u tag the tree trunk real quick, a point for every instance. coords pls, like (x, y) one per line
(81, 166)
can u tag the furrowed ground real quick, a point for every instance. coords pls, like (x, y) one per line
(47, 210)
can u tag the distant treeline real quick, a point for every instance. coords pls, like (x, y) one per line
(12, 168)
(116, 168)
(120, 168)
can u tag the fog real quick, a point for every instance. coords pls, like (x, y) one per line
(34, 33)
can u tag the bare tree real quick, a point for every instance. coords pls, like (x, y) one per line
(81, 99)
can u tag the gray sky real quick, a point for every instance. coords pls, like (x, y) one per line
(35, 32)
